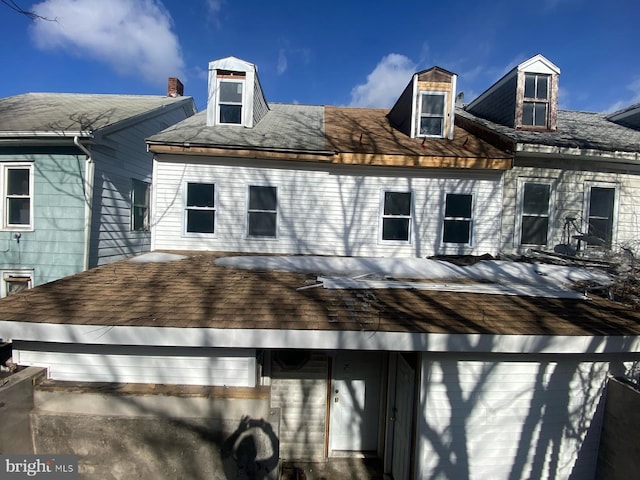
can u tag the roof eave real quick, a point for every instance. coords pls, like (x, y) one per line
(610, 155)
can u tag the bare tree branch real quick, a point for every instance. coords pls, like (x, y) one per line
(31, 15)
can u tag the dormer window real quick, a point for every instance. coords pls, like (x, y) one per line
(535, 105)
(230, 99)
(432, 111)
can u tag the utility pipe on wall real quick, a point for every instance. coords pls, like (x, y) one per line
(88, 199)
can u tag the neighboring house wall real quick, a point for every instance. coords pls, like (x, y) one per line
(53, 246)
(322, 209)
(569, 198)
(510, 417)
(119, 157)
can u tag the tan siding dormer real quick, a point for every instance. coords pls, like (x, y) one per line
(426, 107)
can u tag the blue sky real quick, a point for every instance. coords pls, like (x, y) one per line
(342, 52)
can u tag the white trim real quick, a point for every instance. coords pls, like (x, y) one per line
(15, 272)
(185, 186)
(521, 182)
(622, 157)
(241, 81)
(382, 217)
(452, 106)
(318, 339)
(442, 133)
(6, 226)
(471, 220)
(588, 185)
(248, 236)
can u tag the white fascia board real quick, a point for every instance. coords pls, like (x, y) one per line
(536, 149)
(318, 339)
(539, 64)
(53, 134)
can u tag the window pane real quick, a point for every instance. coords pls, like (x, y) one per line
(18, 181)
(529, 85)
(431, 126)
(601, 202)
(200, 195)
(456, 231)
(200, 221)
(139, 218)
(458, 206)
(536, 199)
(262, 224)
(231, 114)
(231, 92)
(19, 211)
(542, 88)
(263, 198)
(540, 114)
(527, 113)
(534, 230)
(601, 228)
(397, 203)
(140, 193)
(432, 104)
(395, 229)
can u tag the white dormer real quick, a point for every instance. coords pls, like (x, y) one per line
(235, 96)
(426, 107)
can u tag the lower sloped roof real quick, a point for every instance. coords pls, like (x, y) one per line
(195, 291)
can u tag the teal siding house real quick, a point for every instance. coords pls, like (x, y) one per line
(75, 180)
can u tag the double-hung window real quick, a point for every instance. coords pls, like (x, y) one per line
(139, 205)
(17, 196)
(458, 218)
(262, 215)
(230, 98)
(200, 208)
(535, 105)
(534, 219)
(600, 214)
(396, 216)
(432, 114)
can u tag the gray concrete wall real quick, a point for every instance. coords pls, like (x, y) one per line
(619, 455)
(159, 436)
(16, 400)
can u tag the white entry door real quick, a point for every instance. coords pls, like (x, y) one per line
(355, 401)
(402, 419)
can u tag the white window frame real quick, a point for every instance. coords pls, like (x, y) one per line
(534, 100)
(421, 115)
(135, 204)
(409, 217)
(186, 208)
(221, 80)
(588, 185)
(4, 176)
(250, 211)
(470, 219)
(26, 276)
(522, 181)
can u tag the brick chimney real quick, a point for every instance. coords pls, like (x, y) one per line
(175, 88)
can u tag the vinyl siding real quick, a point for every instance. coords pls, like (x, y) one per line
(121, 364)
(55, 246)
(507, 419)
(302, 397)
(323, 209)
(122, 157)
(568, 199)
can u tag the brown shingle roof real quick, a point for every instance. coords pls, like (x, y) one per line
(194, 292)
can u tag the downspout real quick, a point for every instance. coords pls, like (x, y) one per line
(88, 199)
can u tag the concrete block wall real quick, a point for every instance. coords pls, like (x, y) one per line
(619, 454)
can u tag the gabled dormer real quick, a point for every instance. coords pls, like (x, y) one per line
(628, 117)
(525, 98)
(426, 107)
(235, 95)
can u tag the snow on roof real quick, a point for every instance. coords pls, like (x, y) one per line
(491, 277)
(157, 257)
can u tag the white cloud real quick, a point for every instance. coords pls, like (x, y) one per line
(385, 83)
(635, 97)
(282, 62)
(131, 36)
